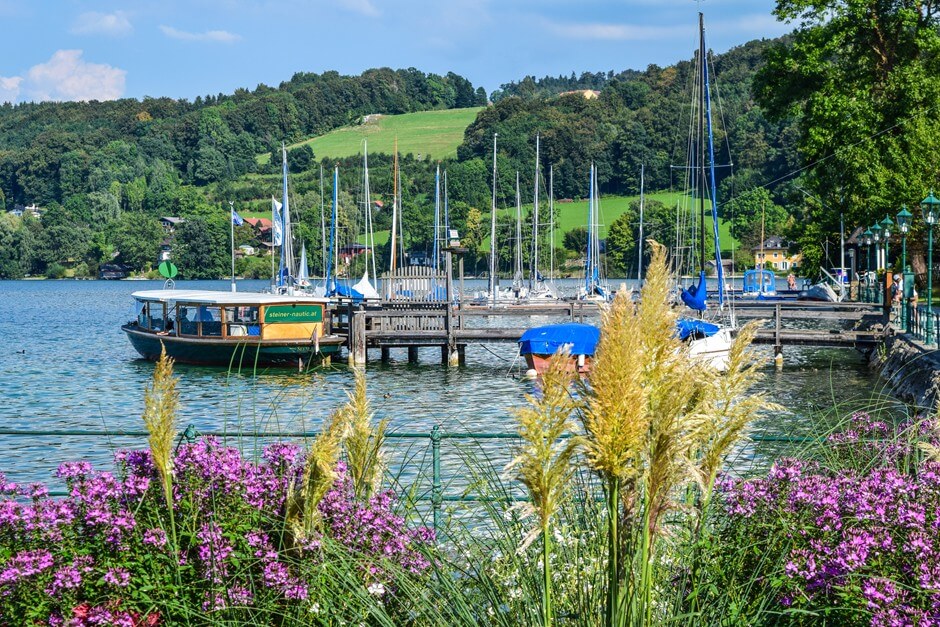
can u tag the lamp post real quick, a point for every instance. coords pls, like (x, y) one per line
(886, 227)
(876, 238)
(929, 207)
(868, 236)
(904, 224)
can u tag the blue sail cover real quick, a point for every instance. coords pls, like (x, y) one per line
(686, 327)
(580, 339)
(694, 297)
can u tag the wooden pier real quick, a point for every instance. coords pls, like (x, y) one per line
(412, 325)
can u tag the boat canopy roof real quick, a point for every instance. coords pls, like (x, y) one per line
(580, 339)
(210, 297)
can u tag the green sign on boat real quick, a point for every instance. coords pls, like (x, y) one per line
(293, 313)
(167, 269)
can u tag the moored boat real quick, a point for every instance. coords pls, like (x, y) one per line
(231, 329)
(538, 344)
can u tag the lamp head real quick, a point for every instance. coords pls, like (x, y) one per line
(904, 220)
(930, 208)
(876, 232)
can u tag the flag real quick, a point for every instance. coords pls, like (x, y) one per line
(277, 236)
(236, 219)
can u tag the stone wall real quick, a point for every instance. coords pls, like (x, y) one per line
(911, 369)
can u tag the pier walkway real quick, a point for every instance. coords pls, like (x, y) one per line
(415, 325)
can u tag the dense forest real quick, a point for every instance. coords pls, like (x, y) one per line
(106, 171)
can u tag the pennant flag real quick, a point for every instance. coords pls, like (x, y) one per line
(236, 219)
(277, 235)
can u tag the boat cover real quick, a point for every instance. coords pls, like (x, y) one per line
(694, 297)
(580, 339)
(686, 327)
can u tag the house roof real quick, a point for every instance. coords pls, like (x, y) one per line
(172, 220)
(774, 242)
(259, 223)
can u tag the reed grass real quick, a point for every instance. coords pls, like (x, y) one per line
(364, 453)
(544, 462)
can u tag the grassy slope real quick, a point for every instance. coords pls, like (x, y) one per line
(574, 214)
(431, 134)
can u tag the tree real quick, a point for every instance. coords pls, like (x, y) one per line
(861, 77)
(137, 238)
(621, 243)
(751, 213)
(202, 248)
(575, 240)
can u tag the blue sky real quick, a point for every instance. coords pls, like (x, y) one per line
(84, 49)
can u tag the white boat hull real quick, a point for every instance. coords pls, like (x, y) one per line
(714, 349)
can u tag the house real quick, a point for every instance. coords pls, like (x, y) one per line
(346, 253)
(166, 249)
(170, 223)
(258, 224)
(773, 253)
(19, 210)
(587, 94)
(246, 250)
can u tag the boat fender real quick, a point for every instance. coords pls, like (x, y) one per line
(531, 373)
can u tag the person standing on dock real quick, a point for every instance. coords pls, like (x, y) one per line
(791, 281)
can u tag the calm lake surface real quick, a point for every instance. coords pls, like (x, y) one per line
(66, 364)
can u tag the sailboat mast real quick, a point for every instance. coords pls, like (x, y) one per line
(394, 215)
(517, 277)
(446, 214)
(639, 261)
(286, 270)
(435, 248)
(534, 270)
(711, 163)
(370, 233)
(493, 229)
(588, 274)
(551, 218)
(329, 257)
(322, 224)
(701, 135)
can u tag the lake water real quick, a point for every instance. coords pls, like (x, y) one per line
(66, 364)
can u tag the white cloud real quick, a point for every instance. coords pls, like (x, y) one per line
(67, 77)
(362, 7)
(613, 32)
(216, 36)
(112, 24)
(10, 88)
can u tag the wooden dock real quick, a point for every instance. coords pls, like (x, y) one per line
(412, 325)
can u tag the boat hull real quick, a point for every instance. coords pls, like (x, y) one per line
(580, 364)
(714, 349)
(229, 352)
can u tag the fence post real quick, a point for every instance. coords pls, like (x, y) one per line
(437, 492)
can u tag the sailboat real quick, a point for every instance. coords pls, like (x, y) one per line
(593, 289)
(538, 288)
(708, 340)
(492, 296)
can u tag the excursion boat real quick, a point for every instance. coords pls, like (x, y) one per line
(232, 328)
(538, 344)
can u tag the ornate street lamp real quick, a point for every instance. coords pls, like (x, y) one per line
(876, 238)
(868, 237)
(904, 223)
(930, 209)
(886, 227)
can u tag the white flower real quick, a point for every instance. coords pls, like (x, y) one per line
(376, 589)
(314, 608)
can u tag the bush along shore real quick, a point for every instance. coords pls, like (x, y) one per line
(628, 518)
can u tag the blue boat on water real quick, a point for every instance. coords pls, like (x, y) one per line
(759, 284)
(538, 345)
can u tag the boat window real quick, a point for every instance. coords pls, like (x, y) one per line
(186, 321)
(210, 319)
(241, 321)
(152, 316)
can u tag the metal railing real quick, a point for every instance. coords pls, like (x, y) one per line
(436, 436)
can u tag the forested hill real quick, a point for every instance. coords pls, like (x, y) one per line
(50, 152)
(637, 118)
(106, 171)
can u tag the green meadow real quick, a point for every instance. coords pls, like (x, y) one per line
(430, 134)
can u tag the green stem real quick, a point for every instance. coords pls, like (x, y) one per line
(547, 579)
(645, 569)
(613, 552)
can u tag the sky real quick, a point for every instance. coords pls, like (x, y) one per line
(98, 50)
